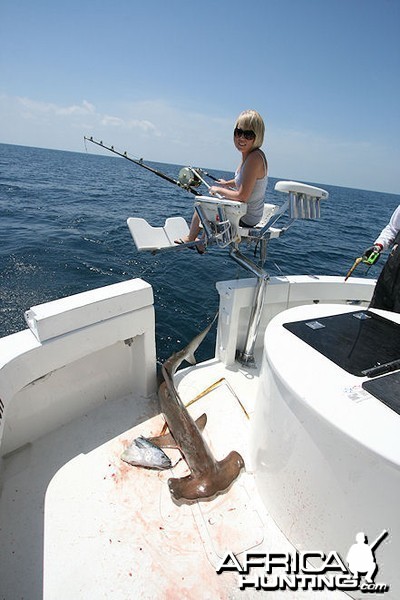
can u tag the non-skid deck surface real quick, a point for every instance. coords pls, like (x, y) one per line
(386, 389)
(360, 342)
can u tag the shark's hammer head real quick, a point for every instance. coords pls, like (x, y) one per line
(210, 483)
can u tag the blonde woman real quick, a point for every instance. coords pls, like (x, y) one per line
(251, 177)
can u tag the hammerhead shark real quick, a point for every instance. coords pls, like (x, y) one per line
(208, 477)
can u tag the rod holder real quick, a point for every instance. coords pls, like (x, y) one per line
(302, 206)
(304, 200)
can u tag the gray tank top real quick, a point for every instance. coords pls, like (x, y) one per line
(255, 204)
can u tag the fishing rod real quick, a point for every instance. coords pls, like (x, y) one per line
(199, 170)
(188, 177)
(369, 260)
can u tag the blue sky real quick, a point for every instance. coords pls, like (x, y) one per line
(166, 81)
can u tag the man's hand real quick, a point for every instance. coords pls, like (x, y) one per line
(372, 254)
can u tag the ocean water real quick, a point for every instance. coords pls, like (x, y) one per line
(63, 231)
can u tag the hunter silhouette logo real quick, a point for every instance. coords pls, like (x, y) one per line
(361, 558)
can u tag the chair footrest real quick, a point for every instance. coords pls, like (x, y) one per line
(147, 237)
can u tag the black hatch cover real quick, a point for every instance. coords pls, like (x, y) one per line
(362, 342)
(386, 389)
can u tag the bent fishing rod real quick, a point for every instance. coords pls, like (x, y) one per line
(188, 177)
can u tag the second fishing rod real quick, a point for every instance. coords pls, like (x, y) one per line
(189, 178)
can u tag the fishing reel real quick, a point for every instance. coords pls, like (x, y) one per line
(188, 178)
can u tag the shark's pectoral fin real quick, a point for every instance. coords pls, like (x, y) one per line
(164, 441)
(167, 440)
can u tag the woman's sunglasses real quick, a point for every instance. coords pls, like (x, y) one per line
(248, 134)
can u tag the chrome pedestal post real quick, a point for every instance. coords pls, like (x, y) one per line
(246, 356)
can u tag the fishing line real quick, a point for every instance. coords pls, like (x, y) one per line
(278, 268)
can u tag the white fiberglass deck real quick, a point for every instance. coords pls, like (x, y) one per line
(78, 523)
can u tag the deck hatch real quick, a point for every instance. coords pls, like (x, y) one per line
(386, 389)
(362, 342)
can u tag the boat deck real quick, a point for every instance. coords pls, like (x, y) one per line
(77, 522)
